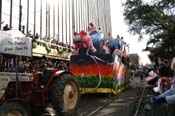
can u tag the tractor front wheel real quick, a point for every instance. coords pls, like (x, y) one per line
(65, 94)
(13, 109)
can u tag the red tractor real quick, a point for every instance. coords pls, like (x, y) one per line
(19, 94)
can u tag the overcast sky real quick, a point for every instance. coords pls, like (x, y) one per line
(120, 28)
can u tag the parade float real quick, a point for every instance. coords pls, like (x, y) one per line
(95, 71)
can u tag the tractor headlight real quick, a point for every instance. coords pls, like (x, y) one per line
(3, 90)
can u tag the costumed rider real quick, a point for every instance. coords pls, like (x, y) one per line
(169, 95)
(96, 36)
(82, 43)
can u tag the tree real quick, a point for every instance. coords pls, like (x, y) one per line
(156, 19)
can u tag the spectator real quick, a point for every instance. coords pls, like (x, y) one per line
(6, 27)
(45, 39)
(163, 68)
(54, 41)
(169, 95)
(37, 36)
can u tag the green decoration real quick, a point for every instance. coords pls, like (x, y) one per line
(48, 48)
(34, 45)
(60, 50)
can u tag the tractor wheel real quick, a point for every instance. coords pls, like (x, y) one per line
(13, 109)
(65, 94)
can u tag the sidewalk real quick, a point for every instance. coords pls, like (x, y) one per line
(124, 104)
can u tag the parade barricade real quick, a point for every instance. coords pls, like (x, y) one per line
(162, 110)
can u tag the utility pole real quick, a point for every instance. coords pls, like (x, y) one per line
(20, 15)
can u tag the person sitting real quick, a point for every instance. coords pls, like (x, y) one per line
(101, 33)
(91, 29)
(109, 36)
(106, 48)
(96, 36)
(114, 43)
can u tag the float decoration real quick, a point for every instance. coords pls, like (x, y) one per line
(41, 48)
(60, 50)
(48, 48)
(34, 44)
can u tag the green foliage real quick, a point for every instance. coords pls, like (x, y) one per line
(156, 19)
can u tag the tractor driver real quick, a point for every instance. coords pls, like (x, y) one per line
(42, 73)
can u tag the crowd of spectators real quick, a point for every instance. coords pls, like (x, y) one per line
(33, 64)
(39, 64)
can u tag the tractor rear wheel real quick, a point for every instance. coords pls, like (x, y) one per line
(65, 94)
(13, 109)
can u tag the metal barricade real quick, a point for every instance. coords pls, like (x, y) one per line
(161, 110)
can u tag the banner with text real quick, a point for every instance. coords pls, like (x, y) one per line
(16, 43)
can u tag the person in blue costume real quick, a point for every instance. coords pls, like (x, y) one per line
(114, 43)
(95, 36)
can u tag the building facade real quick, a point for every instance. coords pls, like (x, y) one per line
(57, 19)
(134, 59)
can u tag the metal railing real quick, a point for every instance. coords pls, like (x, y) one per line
(161, 110)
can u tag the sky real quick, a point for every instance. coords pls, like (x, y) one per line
(119, 27)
